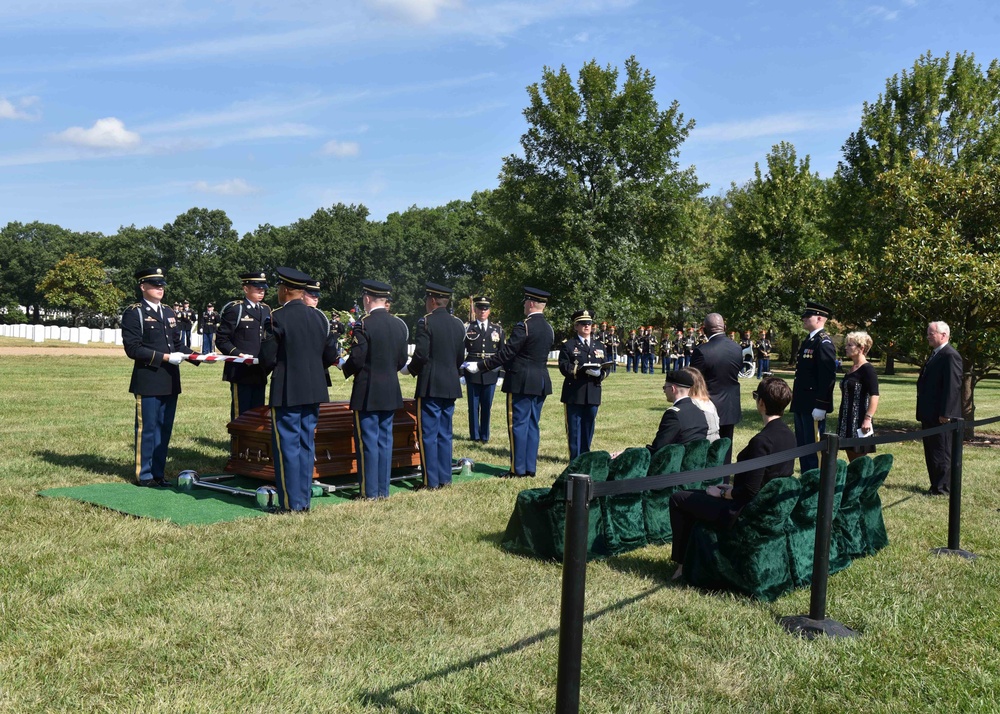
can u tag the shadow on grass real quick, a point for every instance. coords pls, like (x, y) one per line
(216, 444)
(89, 462)
(386, 698)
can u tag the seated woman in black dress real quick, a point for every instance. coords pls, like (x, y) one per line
(721, 505)
(858, 393)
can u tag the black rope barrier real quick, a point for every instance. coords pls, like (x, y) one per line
(581, 490)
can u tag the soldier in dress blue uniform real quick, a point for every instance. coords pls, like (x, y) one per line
(613, 343)
(764, 348)
(207, 326)
(585, 363)
(482, 339)
(633, 352)
(296, 350)
(526, 382)
(378, 353)
(437, 358)
(815, 375)
(152, 339)
(240, 332)
(185, 319)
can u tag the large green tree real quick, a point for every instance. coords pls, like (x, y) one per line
(82, 286)
(775, 229)
(27, 252)
(591, 206)
(197, 249)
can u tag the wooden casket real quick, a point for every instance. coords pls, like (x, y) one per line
(250, 442)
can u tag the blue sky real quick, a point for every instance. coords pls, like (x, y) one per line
(114, 112)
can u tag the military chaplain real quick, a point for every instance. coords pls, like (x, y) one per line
(815, 374)
(482, 339)
(585, 363)
(297, 349)
(437, 358)
(377, 354)
(526, 382)
(240, 332)
(152, 339)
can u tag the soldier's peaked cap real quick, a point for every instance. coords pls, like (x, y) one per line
(153, 276)
(376, 289)
(435, 290)
(481, 301)
(536, 295)
(312, 287)
(295, 279)
(815, 308)
(256, 278)
(583, 317)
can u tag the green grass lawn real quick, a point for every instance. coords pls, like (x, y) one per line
(411, 606)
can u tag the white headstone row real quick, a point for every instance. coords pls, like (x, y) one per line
(76, 335)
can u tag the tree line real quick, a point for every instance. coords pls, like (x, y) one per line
(598, 209)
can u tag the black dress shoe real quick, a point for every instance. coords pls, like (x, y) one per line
(530, 474)
(152, 483)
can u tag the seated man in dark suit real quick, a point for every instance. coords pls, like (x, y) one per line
(721, 505)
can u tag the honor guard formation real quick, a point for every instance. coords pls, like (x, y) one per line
(294, 345)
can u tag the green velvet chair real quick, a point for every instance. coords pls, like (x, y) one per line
(801, 532)
(752, 556)
(538, 524)
(656, 504)
(847, 519)
(625, 527)
(716, 455)
(873, 534)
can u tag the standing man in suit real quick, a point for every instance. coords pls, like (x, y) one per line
(437, 358)
(939, 400)
(584, 363)
(527, 380)
(207, 326)
(152, 339)
(482, 339)
(240, 332)
(297, 349)
(377, 353)
(720, 360)
(815, 374)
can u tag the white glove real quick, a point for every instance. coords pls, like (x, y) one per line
(471, 367)
(405, 369)
(819, 414)
(176, 357)
(594, 372)
(340, 363)
(461, 380)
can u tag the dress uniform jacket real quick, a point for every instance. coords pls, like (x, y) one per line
(681, 423)
(298, 348)
(209, 323)
(815, 374)
(720, 361)
(148, 338)
(524, 357)
(579, 387)
(439, 352)
(240, 331)
(482, 343)
(378, 352)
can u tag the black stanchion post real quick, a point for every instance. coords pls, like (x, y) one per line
(955, 497)
(573, 588)
(816, 622)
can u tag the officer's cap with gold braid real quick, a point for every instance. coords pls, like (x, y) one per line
(153, 276)
(437, 291)
(295, 279)
(583, 317)
(376, 289)
(313, 288)
(536, 295)
(815, 308)
(255, 278)
(482, 302)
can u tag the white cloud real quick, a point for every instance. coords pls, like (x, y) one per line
(341, 149)
(17, 108)
(420, 11)
(232, 187)
(778, 125)
(107, 133)
(877, 12)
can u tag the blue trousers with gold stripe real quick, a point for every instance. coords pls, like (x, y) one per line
(480, 404)
(293, 449)
(246, 397)
(434, 424)
(154, 421)
(373, 439)
(524, 411)
(580, 420)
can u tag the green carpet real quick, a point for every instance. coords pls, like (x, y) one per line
(203, 507)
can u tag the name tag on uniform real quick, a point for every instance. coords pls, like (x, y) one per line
(150, 318)
(246, 318)
(172, 322)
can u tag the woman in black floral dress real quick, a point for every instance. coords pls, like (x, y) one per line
(858, 393)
